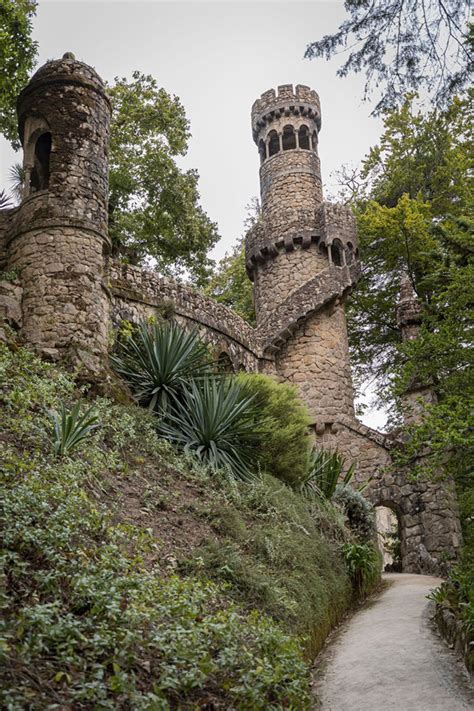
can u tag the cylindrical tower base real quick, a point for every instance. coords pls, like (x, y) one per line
(316, 360)
(64, 305)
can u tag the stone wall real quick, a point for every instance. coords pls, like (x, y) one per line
(138, 293)
(6, 221)
(426, 510)
(64, 306)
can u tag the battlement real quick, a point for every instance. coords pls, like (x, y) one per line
(286, 100)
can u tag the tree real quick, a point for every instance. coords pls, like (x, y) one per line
(412, 189)
(230, 284)
(154, 206)
(415, 218)
(404, 45)
(17, 58)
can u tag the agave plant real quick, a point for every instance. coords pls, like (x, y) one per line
(158, 361)
(325, 468)
(215, 422)
(71, 428)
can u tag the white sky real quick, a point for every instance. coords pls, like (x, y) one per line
(218, 57)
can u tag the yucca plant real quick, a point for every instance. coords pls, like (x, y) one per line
(5, 200)
(71, 428)
(215, 422)
(158, 361)
(17, 176)
(323, 473)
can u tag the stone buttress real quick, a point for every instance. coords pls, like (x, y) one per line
(58, 236)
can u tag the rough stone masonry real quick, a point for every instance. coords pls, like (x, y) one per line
(65, 294)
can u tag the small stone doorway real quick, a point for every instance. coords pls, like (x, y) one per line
(389, 538)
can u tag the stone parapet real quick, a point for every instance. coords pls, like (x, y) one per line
(300, 101)
(141, 290)
(334, 221)
(330, 284)
(261, 246)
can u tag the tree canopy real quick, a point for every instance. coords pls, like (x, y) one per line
(414, 211)
(403, 45)
(153, 204)
(18, 54)
(230, 284)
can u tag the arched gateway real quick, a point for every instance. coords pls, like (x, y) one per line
(302, 257)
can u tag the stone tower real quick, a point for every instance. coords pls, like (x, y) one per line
(59, 236)
(302, 256)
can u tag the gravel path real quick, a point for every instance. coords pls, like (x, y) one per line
(388, 656)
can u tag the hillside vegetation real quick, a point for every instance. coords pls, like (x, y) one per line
(133, 577)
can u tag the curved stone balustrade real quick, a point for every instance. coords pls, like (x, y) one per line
(331, 283)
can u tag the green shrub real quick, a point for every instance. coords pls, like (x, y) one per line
(324, 470)
(158, 361)
(359, 512)
(363, 564)
(283, 439)
(215, 422)
(71, 428)
(272, 554)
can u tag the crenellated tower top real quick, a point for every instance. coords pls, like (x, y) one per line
(286, 101)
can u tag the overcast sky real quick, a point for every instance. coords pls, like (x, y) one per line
(218, 57)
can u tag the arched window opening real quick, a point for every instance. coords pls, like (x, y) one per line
(289, 138)
(224, 363)
(262, 149)
(336, 254)
(389, 538)
(273, 143)
(304, 138)
(349, 253)
(314, 141)
(39, 179)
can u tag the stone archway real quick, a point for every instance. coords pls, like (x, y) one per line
(390, 538)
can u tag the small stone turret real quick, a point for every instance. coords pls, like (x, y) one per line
(59, 236)
(408, 310)
(409, 318)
